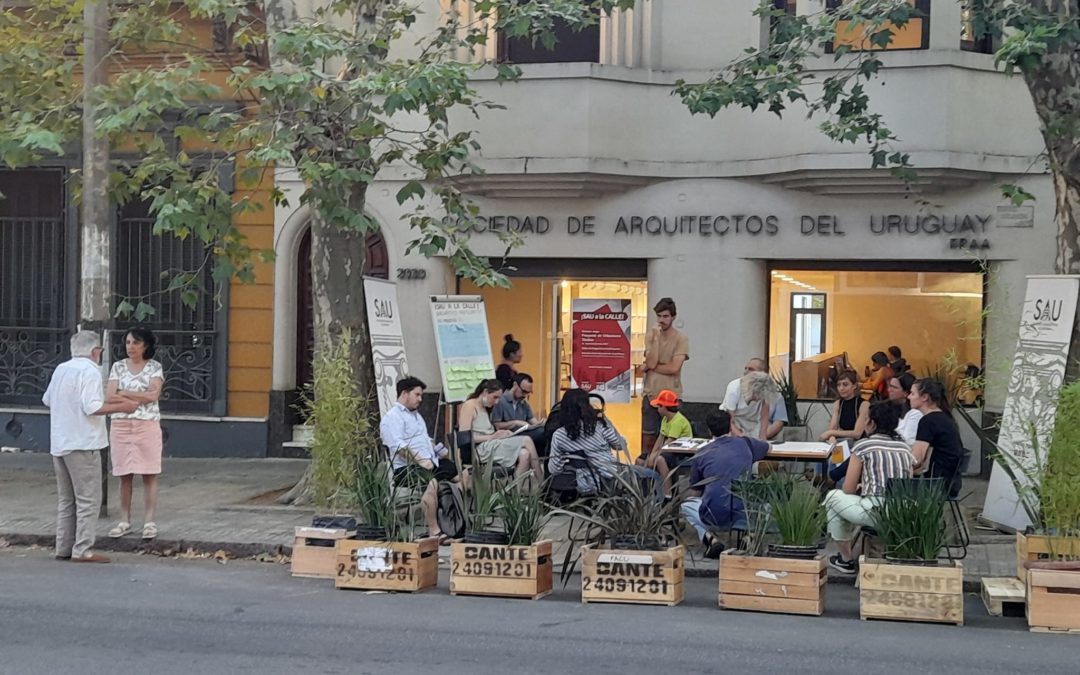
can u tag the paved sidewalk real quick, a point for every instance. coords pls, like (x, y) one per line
(227, 504)
(204, 504)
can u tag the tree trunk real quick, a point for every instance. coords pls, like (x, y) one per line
(1054, 87)
(338, 257)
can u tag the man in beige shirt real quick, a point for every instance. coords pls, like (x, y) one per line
(666, 349)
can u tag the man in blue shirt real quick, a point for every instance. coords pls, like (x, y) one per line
(512, 411)
(727, 457)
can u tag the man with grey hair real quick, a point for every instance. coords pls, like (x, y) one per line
(743, 399)
(77, 408)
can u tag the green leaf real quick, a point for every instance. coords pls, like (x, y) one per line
(190, 298)
(410, 189)
(143, 311)
(123, 309)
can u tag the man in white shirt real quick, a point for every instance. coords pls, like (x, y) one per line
(746, 414)
(413, 456)
(77, 408)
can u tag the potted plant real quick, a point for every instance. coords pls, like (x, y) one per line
(1050, 551)
(520, 566)
(482, 525)
(386, 555)
(791, 578)
(797, 427)
(626, 556)
(911, 583)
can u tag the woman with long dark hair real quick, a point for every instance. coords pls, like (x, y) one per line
(584, 434)
(899, 388)
(498, 447)
(135, 438)
(938, 448)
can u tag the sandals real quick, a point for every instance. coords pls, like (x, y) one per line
(149, 531)
(122, 528)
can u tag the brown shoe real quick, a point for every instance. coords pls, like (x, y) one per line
(92, 558)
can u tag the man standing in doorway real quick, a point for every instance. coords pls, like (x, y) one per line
(77, 408)
(666, 349)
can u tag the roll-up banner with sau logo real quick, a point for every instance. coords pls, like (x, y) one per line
(1038, 371)
(387, 341)
(601, 348)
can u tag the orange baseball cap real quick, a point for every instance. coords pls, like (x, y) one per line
(666, 398)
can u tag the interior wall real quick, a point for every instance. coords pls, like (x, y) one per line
(521, 310)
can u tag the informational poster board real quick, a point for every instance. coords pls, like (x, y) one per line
(1034, 383)
(387, 341)
(600, 360)
(462, 343)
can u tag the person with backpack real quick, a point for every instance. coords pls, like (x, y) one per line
(416, 461)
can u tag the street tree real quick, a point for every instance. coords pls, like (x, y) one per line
(339, 91)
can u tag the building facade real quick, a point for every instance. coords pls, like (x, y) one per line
(217, 357)
(772, 240)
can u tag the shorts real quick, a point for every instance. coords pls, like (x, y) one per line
(412, 475)
(650, 417)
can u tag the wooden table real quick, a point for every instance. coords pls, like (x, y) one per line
(815, 452)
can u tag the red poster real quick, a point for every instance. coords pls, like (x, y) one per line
(601, 348)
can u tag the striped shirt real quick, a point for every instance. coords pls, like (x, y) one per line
(595, 449)
(882, 458)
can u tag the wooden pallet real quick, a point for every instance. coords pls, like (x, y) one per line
(1003, 596)
(764, 584)
(502, 571)
(634, 577)
(911, 592)
(1041, 547)
(387, 565)
(1053, 601)
(314, 561)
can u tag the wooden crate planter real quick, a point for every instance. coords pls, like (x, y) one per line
(1030, 547)
(311, 560)
(1053, 601)
(635, 577)
(911, 592)
(505, 571)
(387, 566)
(766, 584)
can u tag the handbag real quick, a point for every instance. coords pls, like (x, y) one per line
(463, 438)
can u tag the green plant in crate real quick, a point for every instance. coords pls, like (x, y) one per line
(755, 494)
(1060, 487)
(482, 501)
(523, 511)
(797, 510)
(343, 436)
(909, 519)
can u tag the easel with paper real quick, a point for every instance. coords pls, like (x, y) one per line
(462, 344)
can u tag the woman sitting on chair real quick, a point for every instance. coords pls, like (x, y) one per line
(496, 447)
(874, 460)
(586, 443)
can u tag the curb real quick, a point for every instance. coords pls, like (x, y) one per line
(156, 546)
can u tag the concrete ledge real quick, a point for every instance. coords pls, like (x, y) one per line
(159, 546)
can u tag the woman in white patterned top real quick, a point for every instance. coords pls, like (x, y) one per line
(135, 438)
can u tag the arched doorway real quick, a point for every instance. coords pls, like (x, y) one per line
(376, 264)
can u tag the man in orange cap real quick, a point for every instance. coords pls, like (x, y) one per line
(673, 424)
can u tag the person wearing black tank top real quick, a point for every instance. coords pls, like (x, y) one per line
(849, 413)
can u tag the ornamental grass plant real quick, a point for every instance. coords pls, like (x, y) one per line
(910, 519)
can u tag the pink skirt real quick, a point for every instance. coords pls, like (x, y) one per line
(135, 447)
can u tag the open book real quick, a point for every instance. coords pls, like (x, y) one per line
(523, 428)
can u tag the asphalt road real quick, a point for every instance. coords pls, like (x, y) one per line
(143, 614)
